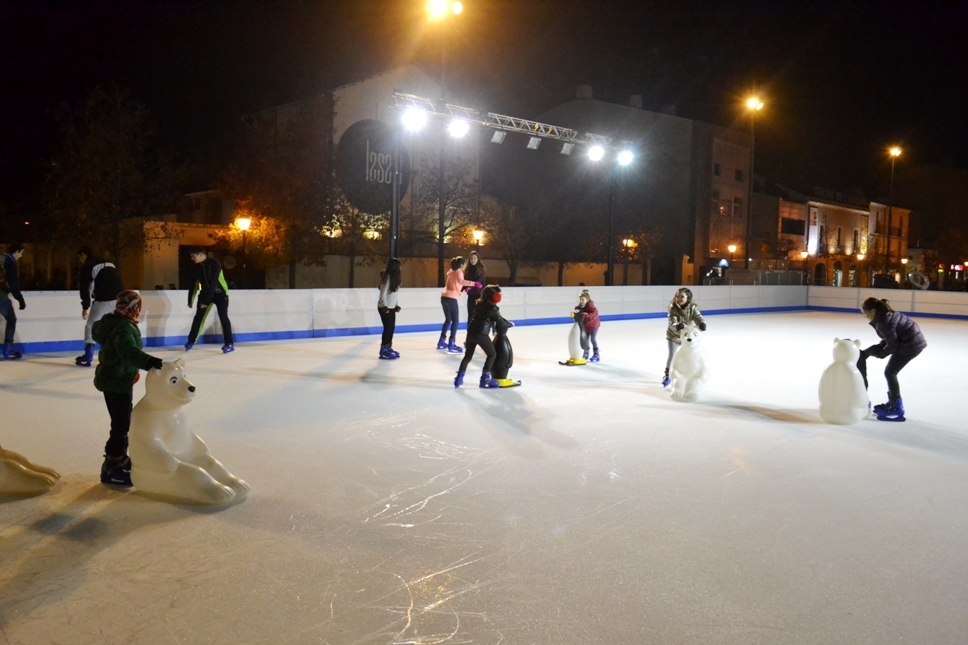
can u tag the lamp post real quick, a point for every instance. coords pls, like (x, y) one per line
(732, 249)
(478, 236)
(439, 11)
(243, 224)
(754, 105)
(629, 245)
(624, 158)
(895, 152)
(413, 119)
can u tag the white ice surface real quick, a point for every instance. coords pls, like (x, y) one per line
(583, 507)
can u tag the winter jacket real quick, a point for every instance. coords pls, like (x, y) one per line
(11, 283)
(682, 316)
(588, 316)
(486, 314)
(120, 356)
(475, 273)
(99, 281)
(899, 335)
(209, 280)
(388, 299)
(455, 280)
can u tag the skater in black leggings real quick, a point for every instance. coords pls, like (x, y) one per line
(486, 315)
(902, 340)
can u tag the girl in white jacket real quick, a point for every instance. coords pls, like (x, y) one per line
(388, 307)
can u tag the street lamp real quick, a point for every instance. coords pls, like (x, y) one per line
(624, 158)
(732, 249)
(243, 224)
(754, 105)
(629, 245)
(478, 236)
(894, 152)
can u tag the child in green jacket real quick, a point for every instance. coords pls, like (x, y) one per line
(119, 360)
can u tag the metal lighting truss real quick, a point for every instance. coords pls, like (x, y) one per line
(504, 123)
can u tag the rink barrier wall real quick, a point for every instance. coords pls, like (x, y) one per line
(52, 321)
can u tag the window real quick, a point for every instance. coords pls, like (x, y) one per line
(717, 170)
(790, 226)
(724, 207)
(856, 241)
(739, 175)
(737, 207)
(715, 203)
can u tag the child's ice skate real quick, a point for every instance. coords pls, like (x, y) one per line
(894, 411)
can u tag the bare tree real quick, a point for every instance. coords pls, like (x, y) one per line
(110, 174)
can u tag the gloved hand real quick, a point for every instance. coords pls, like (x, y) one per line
(478, 285)
(154, 363)
(23, 305)
(573, 314)
(702, 326)
(680, 326)
(383, 310)
(397, 308)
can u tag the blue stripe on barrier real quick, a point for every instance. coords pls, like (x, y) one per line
(50, 347)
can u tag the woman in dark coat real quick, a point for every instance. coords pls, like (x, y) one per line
(901, 339)
(474, 272)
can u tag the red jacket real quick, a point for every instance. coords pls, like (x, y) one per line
(588, 315)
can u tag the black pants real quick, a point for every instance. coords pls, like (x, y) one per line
(119, 407)
(894, 365)
(471, 305)
(221, 302)
(6, 310)
(389, 324)
(484, 341)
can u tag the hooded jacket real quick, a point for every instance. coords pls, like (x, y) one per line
(682, 316)
(100, 281)
(899, 335)
(120, 356)
(588, 316)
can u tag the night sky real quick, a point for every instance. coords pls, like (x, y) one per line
(841, 80)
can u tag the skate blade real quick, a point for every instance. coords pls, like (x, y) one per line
(896, 419)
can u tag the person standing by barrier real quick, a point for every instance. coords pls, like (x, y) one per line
(388, 307)
(212, 290)
(100, 283)
(475, 273)
(10, 286)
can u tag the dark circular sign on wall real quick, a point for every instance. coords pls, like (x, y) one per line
(364, 166)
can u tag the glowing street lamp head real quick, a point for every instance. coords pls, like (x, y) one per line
(414, 119)
(625, 157)
(595, 153)
(478, 236)
(754, 103)
(458, 128)
(243, 223)
(732, 248)
(895, 151)
(438, 9)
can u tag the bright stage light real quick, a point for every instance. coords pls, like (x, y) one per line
(458, 128)
(625, 157)
(595, 153)
(414, 119)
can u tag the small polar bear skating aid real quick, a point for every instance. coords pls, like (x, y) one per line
(21, 477)
(167, 458)
(843, 397)
(690, 365)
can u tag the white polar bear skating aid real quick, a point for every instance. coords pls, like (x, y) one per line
(690, 365)
(21, 477)
(843, 397)
(167, 458)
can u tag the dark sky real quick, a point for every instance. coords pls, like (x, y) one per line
(841, 80)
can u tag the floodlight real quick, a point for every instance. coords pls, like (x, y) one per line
(498, 136)
(414, 119)
(533, 143)
(458, 128)
(567, 147)
(596, 152)
(625, 157)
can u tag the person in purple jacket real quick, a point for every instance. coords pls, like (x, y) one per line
(902, 340)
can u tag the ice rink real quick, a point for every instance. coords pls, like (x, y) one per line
(583, 507)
